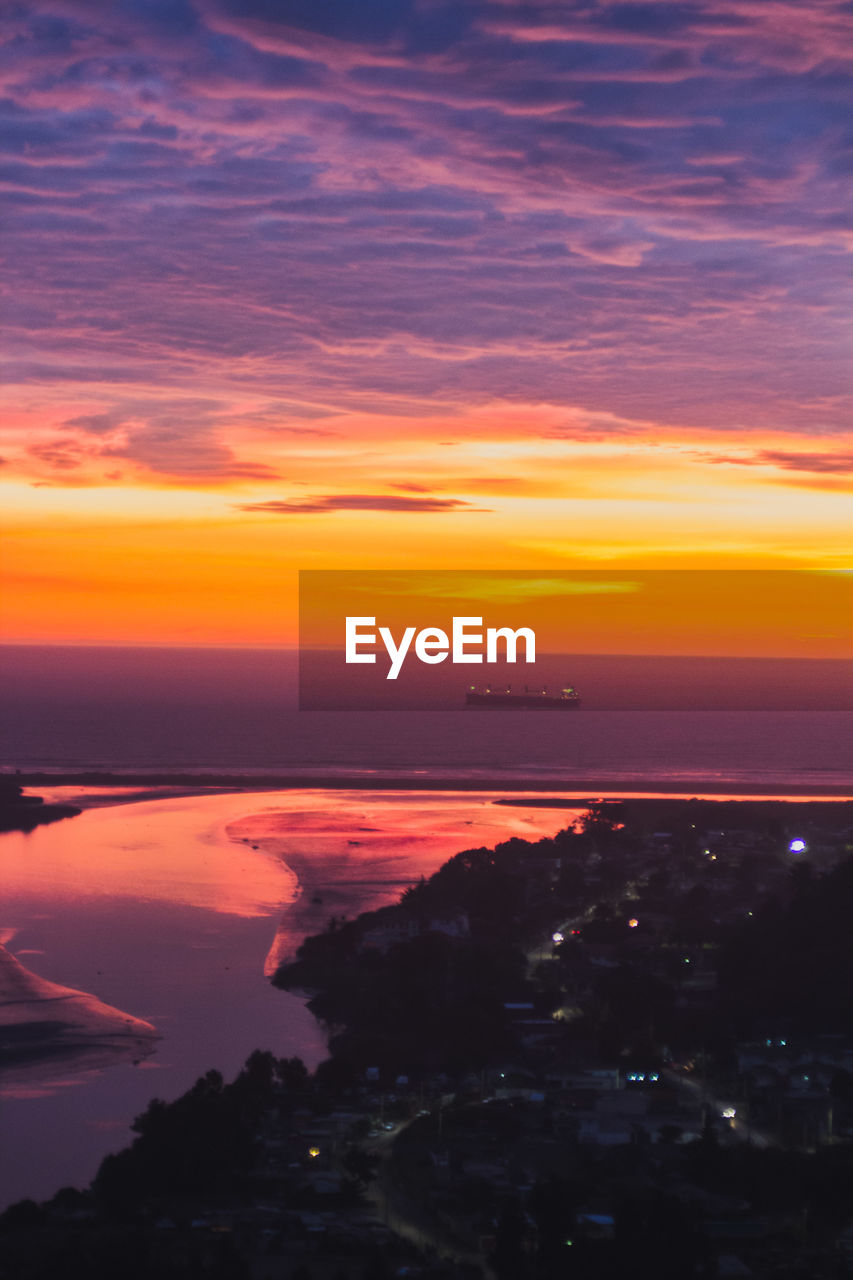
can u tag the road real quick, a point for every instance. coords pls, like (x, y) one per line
(407, 1217)
(700, 1092)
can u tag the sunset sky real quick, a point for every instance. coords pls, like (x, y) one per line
(411, 284)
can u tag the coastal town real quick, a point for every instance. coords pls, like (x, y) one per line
(623, 1050)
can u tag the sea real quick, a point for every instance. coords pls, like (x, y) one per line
(175, 908)
(235, 711)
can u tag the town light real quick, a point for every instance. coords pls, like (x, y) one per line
(797, 846)
(557, 937)
(313, 1152)
(633, 922)
(728, 1113)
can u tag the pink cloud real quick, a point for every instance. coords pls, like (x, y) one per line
(357, 502)
(638, 208)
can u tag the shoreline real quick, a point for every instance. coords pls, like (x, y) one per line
(305, 916)
(571, 789)
(578, 790)
(138, 795)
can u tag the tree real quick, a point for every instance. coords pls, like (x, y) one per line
(508, 1260)
(360, 1165)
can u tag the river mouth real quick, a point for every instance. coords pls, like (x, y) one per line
(175, 911)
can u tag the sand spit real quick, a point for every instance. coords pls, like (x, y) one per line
(42, 1022)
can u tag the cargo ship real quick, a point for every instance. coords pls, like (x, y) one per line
(565, 700)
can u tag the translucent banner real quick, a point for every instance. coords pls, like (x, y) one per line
(566, 642)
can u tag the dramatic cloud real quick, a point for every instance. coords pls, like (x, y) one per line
(236, 231)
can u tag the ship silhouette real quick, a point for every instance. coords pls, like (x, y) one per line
(567, 699)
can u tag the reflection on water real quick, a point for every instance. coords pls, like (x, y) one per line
(356, 851)
(168, 850)
(169, 910)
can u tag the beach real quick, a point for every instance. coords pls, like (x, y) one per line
(124, 788)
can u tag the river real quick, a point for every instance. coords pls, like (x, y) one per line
(175, 911)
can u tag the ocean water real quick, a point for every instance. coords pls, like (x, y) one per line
(235, 711)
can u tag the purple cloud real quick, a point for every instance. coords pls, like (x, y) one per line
(839, 464)
(357, 502)
(61, 455)
(411, 208)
